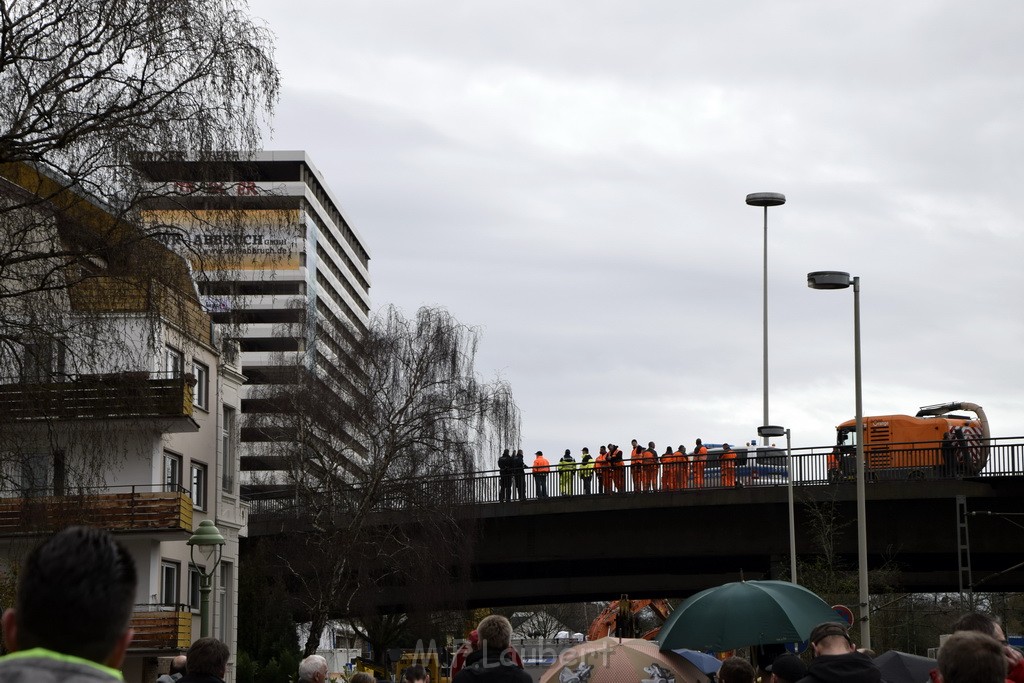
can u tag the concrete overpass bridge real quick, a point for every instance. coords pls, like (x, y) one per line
(936, 529)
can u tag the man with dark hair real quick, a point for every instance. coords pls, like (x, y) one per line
(207, 662)
(990, 626)
(736, 670)
(787, 668)
(836, 658)
(70, 620)
(415, 674)
(972, 657)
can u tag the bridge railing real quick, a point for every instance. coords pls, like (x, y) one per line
(815, 466)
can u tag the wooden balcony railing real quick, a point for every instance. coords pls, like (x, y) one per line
(119, 509)
(98, 397)
(161, 628)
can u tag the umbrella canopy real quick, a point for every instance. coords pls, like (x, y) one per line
(902, 667)
(706, 663)
(744, 613)
(629, 660)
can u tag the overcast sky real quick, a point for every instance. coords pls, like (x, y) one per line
(569, 176)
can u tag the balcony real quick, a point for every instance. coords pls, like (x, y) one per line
(146, 509)
(120, 396)
(161, 627)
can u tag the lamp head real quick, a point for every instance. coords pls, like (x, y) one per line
(829, 279)
(206, 539)
(771, 430)
(766, 199)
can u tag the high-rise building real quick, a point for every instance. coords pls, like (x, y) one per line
(280, 268)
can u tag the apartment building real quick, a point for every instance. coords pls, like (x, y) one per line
(280, 269)
(120, 411)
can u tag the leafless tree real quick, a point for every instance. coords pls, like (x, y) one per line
(359, 445)
(86, 88)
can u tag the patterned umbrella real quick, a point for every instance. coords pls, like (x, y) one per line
(744, 613)
(627, 660)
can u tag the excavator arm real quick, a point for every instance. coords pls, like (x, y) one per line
(607, 620)
(971, 448)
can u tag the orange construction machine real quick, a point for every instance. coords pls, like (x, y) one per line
(606, 621)
(934, 442)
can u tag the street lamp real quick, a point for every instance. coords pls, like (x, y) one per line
(834, 279)
(766, 199)
(211, 546)
(776, 431)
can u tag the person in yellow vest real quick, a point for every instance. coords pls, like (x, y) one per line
(566, 473)
(586, 470)
(541, 467)
(90, 575)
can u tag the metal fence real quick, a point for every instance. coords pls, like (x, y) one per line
(816, 466)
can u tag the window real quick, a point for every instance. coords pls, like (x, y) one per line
(198, 486)
(36, 469)
(226, 621)
(42, 362)
(227, 482)
(201, 391)
(169, 573)
(175, 363)
(194, 583)
(172, 471)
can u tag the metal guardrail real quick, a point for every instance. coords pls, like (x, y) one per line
(811, 467)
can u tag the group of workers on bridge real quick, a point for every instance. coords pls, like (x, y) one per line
(673, 470)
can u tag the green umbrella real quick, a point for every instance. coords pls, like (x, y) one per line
(744, 613)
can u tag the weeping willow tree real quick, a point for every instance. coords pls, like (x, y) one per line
(387, 426)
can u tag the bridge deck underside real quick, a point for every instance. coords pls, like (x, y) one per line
(674, 544)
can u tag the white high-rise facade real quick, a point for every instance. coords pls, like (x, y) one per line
(278, 266)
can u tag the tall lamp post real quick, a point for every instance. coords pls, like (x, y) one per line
(776, 431)
(766, 199)
(834, 279)
(211, 546)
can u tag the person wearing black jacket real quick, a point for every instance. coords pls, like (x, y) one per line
(206, 662)
(836, 660)
(494, 661)
(505, 474)
(519, 474)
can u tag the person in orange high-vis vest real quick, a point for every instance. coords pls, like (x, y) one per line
(636, 469)
(700, 457)
(682, 467)
(618, 467)
(669, 470)
(603, 470)
(650, 467)
(541, 467)
(728, 464)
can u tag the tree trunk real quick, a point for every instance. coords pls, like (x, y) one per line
(316, 629)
